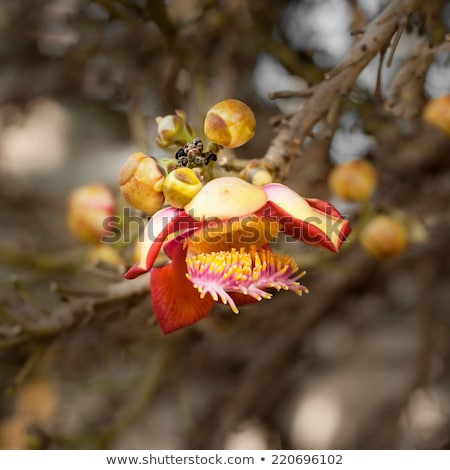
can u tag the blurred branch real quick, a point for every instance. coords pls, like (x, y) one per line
(61, 260)
(406, 97)
(375, 37)
(67, 315)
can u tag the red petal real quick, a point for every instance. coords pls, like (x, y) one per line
(176, 302)
(164, 223)
(312, 221)
(308, 232)
(324, 206)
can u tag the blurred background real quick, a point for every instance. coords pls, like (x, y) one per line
(362, 362)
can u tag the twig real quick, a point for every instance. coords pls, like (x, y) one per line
(303, 93)
(63, 260)
(18, 322)
(103, 273)
(378, 87)
(14, 341)
(9, 330)
(74, 291)
(27, 368)
(406, 97)
(397, 36)
(26, 295)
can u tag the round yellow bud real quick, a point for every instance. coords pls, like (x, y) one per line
(89, 208)
(256, 173)
(230, 123)
(180, 186)
(261, 177)
(384, 237)
(353, 181)
(437, 113)
(140, 181)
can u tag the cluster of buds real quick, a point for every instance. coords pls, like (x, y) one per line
(146, 183)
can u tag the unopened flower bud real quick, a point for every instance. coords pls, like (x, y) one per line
(141, 182)
(173, 130)
(437, 113)
(353, 181)
(256, 174)
(230, 123)
(89, 209)
(384, 237)
(180, 186)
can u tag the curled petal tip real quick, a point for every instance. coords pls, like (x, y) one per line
(312, 221)
(135, 271)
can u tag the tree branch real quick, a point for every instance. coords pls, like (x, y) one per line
(376, 37)
(71, 313)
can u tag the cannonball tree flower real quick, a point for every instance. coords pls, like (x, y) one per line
(219, 247)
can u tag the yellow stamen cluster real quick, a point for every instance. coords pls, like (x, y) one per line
(249, 273)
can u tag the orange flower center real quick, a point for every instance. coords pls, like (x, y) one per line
(218, 235)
